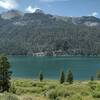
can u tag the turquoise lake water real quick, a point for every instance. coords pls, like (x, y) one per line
(29, 67)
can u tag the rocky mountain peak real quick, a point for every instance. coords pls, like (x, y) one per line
(38, 11)
(11, 14)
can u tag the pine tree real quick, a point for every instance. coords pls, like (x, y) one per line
(98, 75)
(92, 78)
(41, 76)
(62, 77)
(69, 77)
(5, 73)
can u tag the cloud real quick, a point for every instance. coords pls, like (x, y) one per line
(30, 9)
(50, 1)
(95, 14)
(8, 4)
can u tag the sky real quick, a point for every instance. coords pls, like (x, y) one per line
(55, 7)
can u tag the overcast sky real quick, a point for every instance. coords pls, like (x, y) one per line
(56, 7)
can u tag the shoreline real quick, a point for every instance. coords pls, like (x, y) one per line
(60, 55)
(48, 79)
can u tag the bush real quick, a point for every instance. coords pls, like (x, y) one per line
(84, 93)
(52, 95)
(77, 97)
(59, 92)
(21, 90)
(8, 97)
(98, 87)
(96, 94)
(92, 85)
(12, 89)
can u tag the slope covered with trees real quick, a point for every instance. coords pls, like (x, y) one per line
(39, 32)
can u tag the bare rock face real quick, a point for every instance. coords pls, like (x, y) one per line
(86, 20)
(11, 14)
(39, 11)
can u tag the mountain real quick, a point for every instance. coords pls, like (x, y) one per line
(38, 11)
(84, 20)
(11, 14)
(40, 33)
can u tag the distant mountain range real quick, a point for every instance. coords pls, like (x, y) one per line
(34, 33)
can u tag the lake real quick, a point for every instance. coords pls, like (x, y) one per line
(29, 67)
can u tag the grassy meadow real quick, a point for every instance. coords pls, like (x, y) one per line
(27, 89)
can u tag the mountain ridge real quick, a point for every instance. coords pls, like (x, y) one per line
(41, 11)
(52, 35)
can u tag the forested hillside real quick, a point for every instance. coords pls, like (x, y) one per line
(28, 33)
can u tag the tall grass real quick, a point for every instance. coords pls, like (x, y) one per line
(52, 90)
(8, 96)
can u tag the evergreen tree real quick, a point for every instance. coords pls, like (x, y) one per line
(62, 77)
(69, 77)
(98, 75)
(5, 73)
(41, 76)
(92, 78)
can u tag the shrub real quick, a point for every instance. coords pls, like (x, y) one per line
(52, 95)
(8, 97)
(59, 92)
(84, 93)
(77, 97)
(98, 87)
(92, 85)
(12, 89)
(96, 94)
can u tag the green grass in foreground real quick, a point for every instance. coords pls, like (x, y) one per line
(25, 89)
